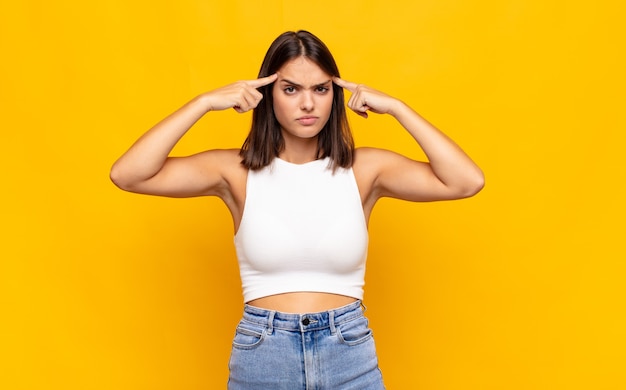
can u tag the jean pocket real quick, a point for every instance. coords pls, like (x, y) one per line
(249, 336)
(354, 332)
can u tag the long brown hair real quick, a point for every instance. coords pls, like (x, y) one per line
(265, 140)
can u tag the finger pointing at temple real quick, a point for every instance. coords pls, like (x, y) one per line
(364, 98)
(260, 82)
(345, 84)
(357, 101)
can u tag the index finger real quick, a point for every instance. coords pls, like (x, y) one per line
(345, 84)
(263, 81)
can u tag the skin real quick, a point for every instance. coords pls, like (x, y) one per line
(302, 99)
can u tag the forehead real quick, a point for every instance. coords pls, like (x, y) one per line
(303, 71)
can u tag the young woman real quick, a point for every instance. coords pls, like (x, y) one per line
(300, 196)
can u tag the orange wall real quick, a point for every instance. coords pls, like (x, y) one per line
(521, 287)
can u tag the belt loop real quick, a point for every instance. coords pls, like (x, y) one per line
(270, 322)
(331, 321)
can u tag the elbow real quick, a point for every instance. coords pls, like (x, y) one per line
(117, 176)
(467, 185)
(474, 184)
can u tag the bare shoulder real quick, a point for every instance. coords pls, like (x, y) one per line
(372, 156)
(232, 188)
(224, 162)
(368, 164)
(216, 161)
(374, 160)
(224, 156)
(230, 162)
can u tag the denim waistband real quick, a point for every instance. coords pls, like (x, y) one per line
(303, 322)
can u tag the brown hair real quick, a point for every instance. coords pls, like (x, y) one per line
(265, 140)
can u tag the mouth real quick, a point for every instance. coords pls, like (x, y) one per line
(307, 120)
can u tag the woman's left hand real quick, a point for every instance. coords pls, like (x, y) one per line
(365, 99)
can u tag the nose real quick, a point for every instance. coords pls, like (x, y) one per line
(307, 103)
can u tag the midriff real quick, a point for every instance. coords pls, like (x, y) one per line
(302, 302)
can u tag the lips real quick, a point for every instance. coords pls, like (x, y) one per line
(307, 120)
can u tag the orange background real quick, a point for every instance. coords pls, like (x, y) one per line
(521, 287)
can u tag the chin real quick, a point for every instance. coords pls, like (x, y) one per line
(302, 133)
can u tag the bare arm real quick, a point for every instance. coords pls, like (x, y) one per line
(147, 168)
(449, 173)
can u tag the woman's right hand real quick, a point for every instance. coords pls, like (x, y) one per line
(241, 95)
(146, 167)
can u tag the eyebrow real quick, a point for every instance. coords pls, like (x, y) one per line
(299, 85)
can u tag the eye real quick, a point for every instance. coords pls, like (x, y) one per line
(289, 90)
(321, 89)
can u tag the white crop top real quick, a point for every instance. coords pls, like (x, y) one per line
(303, 229)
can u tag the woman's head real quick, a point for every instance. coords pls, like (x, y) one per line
(265, 140)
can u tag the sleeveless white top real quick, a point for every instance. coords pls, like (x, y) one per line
(303, 229)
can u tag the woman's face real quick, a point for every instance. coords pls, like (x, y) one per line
(303, 98)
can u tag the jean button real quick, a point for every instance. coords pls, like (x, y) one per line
(306, 321)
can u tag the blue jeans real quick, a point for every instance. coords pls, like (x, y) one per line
(326, 350)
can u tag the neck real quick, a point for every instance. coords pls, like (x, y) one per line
(300, 150)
